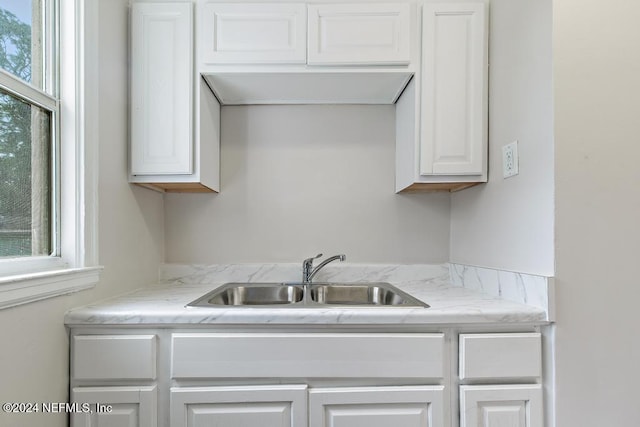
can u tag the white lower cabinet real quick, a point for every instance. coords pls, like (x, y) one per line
(224, 378)
(501, 406)
(114, 406)
(349, 358)
(407, 406)
(498, 359)
(287, 405)
(98, 363)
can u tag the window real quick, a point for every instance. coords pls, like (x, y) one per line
(28, 119)
(47, 166)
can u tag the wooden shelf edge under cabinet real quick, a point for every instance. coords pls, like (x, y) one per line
(177, 187)
(429, 187)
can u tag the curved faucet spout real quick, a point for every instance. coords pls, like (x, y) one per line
(307, 266)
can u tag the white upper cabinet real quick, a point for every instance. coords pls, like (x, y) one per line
(442, 117)
(233, 33)
(306, 53)
(161, 88)
(454, 76)
(359, 34)
(190, 58)
(175, 119)
(300, 33)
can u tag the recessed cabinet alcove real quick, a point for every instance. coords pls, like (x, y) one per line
(189, 59)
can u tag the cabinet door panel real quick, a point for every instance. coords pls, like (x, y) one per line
(409, 406)
(127, 407)
(254, 33)
(454, 130)
(264, 406)
(500, 406)
(161, 88)
(352, 34)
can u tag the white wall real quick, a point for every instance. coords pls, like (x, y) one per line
(299, 180)
(508, 224)
(597, 133)
(34, 361)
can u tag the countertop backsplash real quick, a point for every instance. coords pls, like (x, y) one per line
(523, 288)
(292, 272)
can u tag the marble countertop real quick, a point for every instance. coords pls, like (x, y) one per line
(165, 305)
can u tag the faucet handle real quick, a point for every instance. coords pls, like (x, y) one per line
(310, 260)
(307, 266)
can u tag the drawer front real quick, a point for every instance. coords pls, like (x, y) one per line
(114, 357)
(488, 356)
(252, 33)
(359, 34)
(348, 355)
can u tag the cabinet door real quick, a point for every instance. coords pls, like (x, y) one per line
(252, 33)
(161, 89)
(454, 89)
(503, 405)
(264, 406)
(115, 407)
(409, 406)
(359, 34)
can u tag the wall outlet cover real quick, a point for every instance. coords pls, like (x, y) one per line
(510, 161)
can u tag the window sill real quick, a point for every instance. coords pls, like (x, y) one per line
(26, 288)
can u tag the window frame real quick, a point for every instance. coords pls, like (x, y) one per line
(23, 91)
(74, 267)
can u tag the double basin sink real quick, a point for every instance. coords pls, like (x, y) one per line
(301, 295)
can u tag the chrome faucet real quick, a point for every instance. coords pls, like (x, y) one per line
(307, 266)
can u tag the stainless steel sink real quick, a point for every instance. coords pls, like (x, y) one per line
(378, 294)
(300, 295)
(251, 294)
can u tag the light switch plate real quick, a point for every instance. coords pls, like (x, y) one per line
(510, 162)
